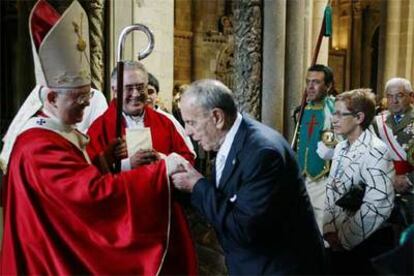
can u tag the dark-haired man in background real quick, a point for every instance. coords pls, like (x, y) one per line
(314, 154)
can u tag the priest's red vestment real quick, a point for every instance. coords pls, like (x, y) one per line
(165, 139)
(63, 217)
(164, 135)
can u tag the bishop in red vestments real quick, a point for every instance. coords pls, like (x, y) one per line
(62, 216)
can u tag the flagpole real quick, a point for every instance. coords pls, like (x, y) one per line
(324, 31)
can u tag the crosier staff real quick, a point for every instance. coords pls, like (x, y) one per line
(120, 73)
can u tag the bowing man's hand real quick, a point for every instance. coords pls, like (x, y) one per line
(143, 157)
(186, 178)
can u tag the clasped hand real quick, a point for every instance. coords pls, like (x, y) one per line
(183, 175)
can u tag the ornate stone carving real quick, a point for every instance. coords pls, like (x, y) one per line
(96, 14)
(226, 25)
(248, 55)
(225, 64)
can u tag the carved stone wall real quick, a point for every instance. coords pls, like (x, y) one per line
(398, 40)
(96, 15)
(225, 64)
(248, 55)
(203, 44)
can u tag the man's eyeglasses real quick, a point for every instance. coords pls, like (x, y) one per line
(140, 87)
(398, 97)
(81, 99)
(340, 115)
(84, 99)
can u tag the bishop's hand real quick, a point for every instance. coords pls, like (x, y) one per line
(116, 149)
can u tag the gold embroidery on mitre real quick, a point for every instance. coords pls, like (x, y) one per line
(65, 78)
(81, 45)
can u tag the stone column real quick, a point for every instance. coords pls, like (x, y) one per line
(381, 49)
(183, 38)
(410, 41)
(316, 14)
(121, 13)
(399, 40)
(294, 67)
(198, 33)
(158, 15)
(96, 15)
(274, 45)
(210, 15)
(356, 45)
(392, 39)
(248, 55)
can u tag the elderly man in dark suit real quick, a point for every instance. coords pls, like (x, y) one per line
(256, 200)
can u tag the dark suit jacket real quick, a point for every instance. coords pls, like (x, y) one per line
(260, 211)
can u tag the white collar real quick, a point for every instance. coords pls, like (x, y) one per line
(138, 118)
(228, 140)
(134, 121)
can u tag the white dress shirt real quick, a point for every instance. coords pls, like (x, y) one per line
(225, 148)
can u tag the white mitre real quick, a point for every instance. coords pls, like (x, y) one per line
(60, 45)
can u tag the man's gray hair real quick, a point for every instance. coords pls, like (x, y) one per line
(211, 94)
(45, 90)
(406, 84)
(129, 65)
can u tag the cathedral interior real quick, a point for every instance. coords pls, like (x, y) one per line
(259, 48)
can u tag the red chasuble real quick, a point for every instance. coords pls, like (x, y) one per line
(165, 137)
(181, 257)
(63, 217)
